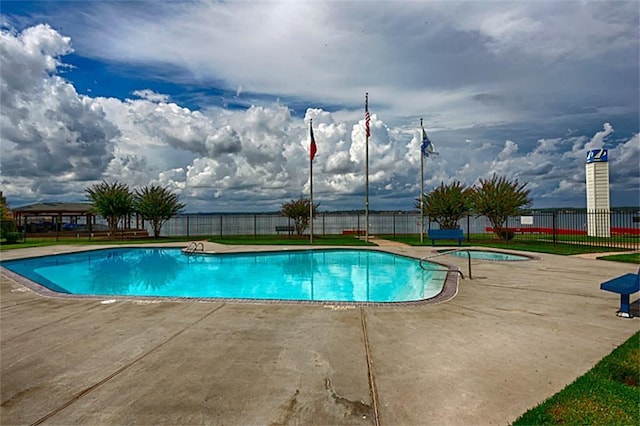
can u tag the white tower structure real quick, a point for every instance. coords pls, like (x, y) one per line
(598, 216)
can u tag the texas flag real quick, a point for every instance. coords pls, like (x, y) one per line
(313, 149)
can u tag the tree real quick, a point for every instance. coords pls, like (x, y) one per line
(111, 201)
(4, 208)
(157, 205)
(497, 199)
(7, 222)
(298, 210)
(447, 204)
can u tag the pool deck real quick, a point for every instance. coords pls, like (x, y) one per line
(513, 336)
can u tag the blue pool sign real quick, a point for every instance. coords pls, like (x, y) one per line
(597, 156)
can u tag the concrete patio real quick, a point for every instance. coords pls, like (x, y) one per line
(513, 336)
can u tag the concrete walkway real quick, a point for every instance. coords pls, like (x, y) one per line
(513, 336)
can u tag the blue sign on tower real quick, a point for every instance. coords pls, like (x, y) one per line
(597, 156)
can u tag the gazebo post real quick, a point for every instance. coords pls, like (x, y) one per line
(58, 225)
(89, 223)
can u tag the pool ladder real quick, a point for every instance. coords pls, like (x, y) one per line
(449, 270)
(193, 247)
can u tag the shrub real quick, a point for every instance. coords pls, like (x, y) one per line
(111, 201)
(12, 237)
(447, 204)
(498, 198)
(298, 211)
(506, 235)
(157, 205)
(7, 226)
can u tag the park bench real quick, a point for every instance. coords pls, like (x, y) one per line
(287, 228)
(624, 285)
(445, 234)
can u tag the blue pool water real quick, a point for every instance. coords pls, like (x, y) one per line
(323, 275)
(489, 255)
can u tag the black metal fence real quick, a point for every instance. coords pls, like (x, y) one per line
(613, 229)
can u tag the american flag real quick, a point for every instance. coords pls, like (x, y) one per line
(367, 117)
(313, 148)
(367, 121)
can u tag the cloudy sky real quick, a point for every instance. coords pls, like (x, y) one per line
(213, 99)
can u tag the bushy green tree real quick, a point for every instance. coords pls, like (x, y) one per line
(497, 199)
(298, 210)
(447, 204)
(157, 205)
(7, 222)
(4, 207)
(111, 201)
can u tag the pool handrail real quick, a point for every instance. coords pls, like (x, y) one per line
(449, 252)
(193, 247)
(447, 270)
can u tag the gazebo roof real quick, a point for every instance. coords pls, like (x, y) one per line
(54, 208)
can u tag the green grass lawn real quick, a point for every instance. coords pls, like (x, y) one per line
(588, 239)
(43, 242)
(338, 240)
(542, 247)
(526, 245)
(608, 394)
(342, 240)
(627, 258)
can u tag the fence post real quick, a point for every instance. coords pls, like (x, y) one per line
(555, 227)
(255, 225)
(187, 226)
(323, 229)
(468, 229)
(506, 231)
(394, 225)
(221, 225)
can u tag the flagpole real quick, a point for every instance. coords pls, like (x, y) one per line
(366, 160)
(311, 185)
(421, 193)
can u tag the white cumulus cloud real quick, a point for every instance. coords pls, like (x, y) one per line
(54, 141)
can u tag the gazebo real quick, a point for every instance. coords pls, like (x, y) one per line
(44, 219)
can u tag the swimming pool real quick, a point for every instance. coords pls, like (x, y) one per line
(490, 255)
(343, 275)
